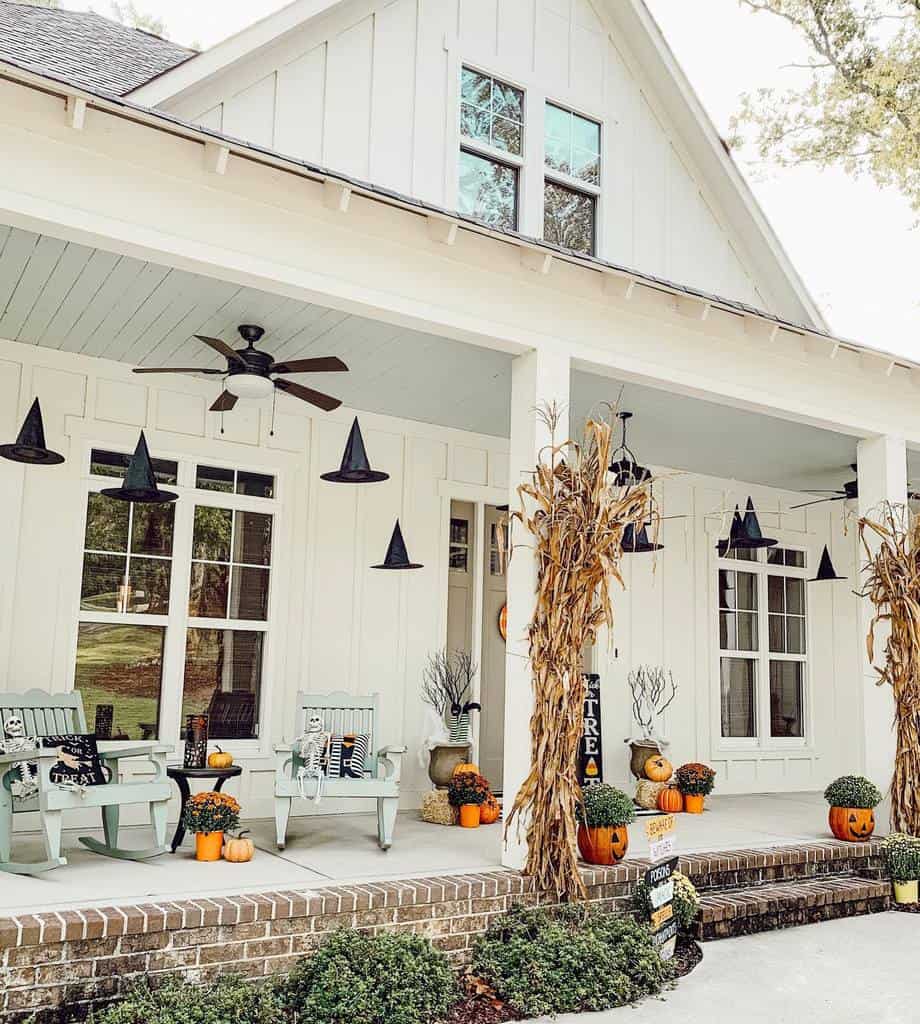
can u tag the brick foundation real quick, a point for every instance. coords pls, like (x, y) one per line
(82, 958)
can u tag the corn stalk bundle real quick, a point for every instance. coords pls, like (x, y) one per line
(892, 584)
(577, 522)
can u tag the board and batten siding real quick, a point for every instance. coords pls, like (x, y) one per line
(371, 89)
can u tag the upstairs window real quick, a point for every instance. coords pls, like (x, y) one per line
(491, 149)
(572, 148)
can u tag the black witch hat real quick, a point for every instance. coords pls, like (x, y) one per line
(637, 544)
(29, 446)
(140, 484)
(826, 570)
(745, 534)
(355, 468)
(397, 557)
(735, 535)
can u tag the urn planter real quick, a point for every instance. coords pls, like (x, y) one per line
(443, 758)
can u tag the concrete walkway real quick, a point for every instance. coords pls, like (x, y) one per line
(861, 968)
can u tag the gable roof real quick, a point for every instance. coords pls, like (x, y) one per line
(85, 48)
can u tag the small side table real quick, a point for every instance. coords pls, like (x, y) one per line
(181, 775)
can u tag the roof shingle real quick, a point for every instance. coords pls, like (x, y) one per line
(84, 48)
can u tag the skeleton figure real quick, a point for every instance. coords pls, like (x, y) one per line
(15, 741)
(311, 749)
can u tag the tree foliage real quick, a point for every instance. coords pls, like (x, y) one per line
(53, 4)
(129, 15)
(858, 103)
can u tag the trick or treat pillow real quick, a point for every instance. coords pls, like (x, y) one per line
(346, 755)
(78, 762)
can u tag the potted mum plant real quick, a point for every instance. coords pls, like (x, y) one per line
(209, 815)
(695, 781)
(468, 791)
(853, 800)
(902, 857)
(603, 814)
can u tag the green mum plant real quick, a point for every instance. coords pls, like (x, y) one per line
(605, 806)
(467, 788)
(902, 856)
(853, 791)
(695, 779)
(686, 900)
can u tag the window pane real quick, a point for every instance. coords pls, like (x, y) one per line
(252, 541)
(488, 191)
(796, 558)
(727, 594)
(152, 529)
(223, 677)
(459, 559)
(506, 135)
(459, 531)
(586, 165)
(120, 668)
(586, 134)
(777, 634)
(213, 478)
(209, 591)
(746, 582)
(775, 556)
(147, 587)
(556, 155)
(475, 123)
(507, 101)
(737, 686)
(104, 463)
(795, 596)
(728, 631)
(776, 600)
(255, 484)
(249, 593)
(211, 538)
(106, 523)
(568, 218)
(786, 703)
(747, 631)
(103, 576)
(741, 554)
(476, 88)
(795, 635)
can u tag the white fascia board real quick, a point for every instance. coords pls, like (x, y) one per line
(262, 33)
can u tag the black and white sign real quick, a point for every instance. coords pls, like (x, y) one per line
(661, 872)
(665, 939)
(591, 766)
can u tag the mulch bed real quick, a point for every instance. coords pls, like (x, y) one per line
(687, 955)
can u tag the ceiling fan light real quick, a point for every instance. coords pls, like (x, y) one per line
(249, 385)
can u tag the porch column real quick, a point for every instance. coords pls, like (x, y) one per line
(882, 474)
(537, 378)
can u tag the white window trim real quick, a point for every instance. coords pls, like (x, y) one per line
(763, 742)
(596, 192)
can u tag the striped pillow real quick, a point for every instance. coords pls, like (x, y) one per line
(346, 754)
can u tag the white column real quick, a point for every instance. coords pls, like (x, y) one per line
(882, 474)
(537, 378)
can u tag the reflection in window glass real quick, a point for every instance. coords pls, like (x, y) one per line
(488, 191)
(491, 112)
(459, 551)
(230, 481)
(738, 697)
(572, 144)
(223, 677)
(103, 463)
(568, 218)
(786, 712)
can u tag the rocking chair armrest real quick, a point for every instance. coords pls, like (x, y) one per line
(137, 750)
(391, 758)
(283, 748)
(386, 751)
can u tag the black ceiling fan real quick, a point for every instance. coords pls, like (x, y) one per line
(250, 372)
(849, 492)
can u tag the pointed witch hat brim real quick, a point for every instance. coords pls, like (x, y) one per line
(397, 557)
(356, 467)
(638, 544)
(826, 570)
(140, 484)
(29, 446)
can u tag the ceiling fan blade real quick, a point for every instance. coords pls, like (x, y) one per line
(220, 346)
(317, 398)
(820, 501)
(225, 402)
(177, 369)
(322, 364)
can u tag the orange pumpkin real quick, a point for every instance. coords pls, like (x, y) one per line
(658, 769)
(670, 800)
(220, 759)
(239, 850)
(465, 766)
(852, 824)
(489, 811)
(604, 846)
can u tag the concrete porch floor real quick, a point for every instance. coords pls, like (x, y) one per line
(333, 849)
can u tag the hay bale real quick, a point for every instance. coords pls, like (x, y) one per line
(437, 810)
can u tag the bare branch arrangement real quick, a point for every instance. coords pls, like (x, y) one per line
(577, 521)
(892, 583)
(653, 690)
(447, 680)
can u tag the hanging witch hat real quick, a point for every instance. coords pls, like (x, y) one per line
(397, 557)
(638, 543)
(826, 570)
(140, 484)
(735, 535)
(29, 446)
(745, 534)
(355, 468)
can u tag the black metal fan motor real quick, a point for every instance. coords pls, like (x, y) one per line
(848, 492)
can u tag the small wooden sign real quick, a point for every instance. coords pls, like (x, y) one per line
(665, 940)
(662, 849)
(662, 915)
(659, 873)
(661, 894)
(591, 756)
(655, 828)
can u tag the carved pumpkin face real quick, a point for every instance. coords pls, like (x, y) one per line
(852, 824)
(658, 769)
(604, 846)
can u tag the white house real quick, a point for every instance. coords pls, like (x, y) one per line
(479, 206)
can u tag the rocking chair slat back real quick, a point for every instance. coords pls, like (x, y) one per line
(45, 714)
(342, 713)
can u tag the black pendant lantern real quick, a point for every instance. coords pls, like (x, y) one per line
(355, 468)
(826, 570)
(29, 446)
(623, 463)
(745, 534)
(638, 543)
(397, 557)
(140, 484)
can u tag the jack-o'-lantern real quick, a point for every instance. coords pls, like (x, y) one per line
(670, 800)
(489, 811)
(852, 824)
(220, 759)
(658, 769)
(604, 846)
(239, 850)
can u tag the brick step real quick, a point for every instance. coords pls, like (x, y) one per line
(767, 907)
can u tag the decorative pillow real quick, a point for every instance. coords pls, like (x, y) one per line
(78, 761)
(346, 754)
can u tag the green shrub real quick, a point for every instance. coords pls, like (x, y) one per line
(853, 791)
(686, 901)
(371, 979)
(605, 806)
(902, 856)
(567, 960)
(231, 999)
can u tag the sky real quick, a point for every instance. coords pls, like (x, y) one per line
(854, 244)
